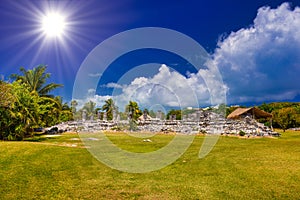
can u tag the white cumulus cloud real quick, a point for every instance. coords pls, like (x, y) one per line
(170, 88)
(262, 62)
(166, 88)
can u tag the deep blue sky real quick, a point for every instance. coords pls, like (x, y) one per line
(92, 21)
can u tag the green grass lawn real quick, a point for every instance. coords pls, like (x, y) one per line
(237, 168)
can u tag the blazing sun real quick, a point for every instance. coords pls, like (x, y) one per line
(53, 25)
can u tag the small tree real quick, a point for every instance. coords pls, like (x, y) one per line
(90, 108)
(133, 110)
(285, 117)
(152, 113)
(74, 104)
(174, 112)
(109, 106)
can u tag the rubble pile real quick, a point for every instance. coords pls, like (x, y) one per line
(206, 122)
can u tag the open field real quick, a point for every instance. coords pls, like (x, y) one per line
(237, 168)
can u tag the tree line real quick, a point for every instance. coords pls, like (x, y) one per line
(109, 109)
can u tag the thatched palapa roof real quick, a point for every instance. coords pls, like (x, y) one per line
(258, 113)
(141, 118)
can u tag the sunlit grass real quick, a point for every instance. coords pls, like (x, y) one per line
(237, 168)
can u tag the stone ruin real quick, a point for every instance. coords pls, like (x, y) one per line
(200, 121)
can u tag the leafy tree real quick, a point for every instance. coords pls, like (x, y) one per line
(174, 112)
(222, 110)
(77, 114)
(187, 111)
(109, 106)
(53, 111)
(266, 107)
(146, 111)
(90, 108)
(285, 117)
(5, 94)
(123, 115)
(6, 103)
(22, 114)
(270, 107)
(36, 80)
(152, 113)
(65, 112)
(276, 109)
(49, 111)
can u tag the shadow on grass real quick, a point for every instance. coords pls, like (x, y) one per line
(35, 139)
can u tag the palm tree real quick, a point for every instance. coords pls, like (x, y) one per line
(23, 114)
(89, 107)
(73, 106)
(109, 107)
(133, 110)
(36, 80)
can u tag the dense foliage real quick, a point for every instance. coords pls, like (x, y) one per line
(26, 104)
(285, 114)
(174, 113)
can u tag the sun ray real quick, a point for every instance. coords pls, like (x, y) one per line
(37, 44)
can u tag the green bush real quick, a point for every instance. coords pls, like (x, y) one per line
(116, 128)
(242, 133)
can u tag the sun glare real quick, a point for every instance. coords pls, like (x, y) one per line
(53, 25)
